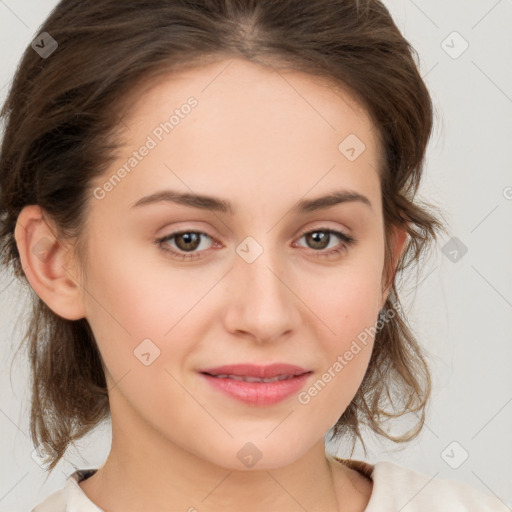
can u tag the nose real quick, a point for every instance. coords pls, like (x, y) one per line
(261, 302)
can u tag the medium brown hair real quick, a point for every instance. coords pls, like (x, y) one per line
(61, 116)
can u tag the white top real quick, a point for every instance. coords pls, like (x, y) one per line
(394, 488)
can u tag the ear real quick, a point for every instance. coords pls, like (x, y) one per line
(47, 264)
(397, 246)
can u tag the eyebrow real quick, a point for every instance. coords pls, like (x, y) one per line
(215, 204)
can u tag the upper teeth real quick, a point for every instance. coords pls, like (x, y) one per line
(253, 379)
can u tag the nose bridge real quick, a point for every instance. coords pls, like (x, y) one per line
(263, 306)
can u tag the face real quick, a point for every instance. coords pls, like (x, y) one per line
(259, 272)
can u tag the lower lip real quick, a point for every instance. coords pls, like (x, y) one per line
(258, 393)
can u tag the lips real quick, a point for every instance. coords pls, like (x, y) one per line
(257, 385)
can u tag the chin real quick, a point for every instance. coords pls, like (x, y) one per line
(246, 455)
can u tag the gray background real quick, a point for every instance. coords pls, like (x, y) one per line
(461, 310)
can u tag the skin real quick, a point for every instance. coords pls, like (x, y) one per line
(262, 140)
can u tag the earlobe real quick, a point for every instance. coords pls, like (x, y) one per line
(47, 264)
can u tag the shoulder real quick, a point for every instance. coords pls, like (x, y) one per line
(70, 497)
(396, 487)
(416, 491)
(55, 502)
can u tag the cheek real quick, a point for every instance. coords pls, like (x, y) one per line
(347, 299)
(347, 304)
(138, 306)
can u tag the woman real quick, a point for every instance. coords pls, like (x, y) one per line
(211, 201)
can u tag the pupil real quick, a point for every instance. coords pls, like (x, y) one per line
(190, 239)
(319, 239)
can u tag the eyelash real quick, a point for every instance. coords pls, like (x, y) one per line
(347, 241)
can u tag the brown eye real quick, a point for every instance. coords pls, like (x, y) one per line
(318, 239)
(184, 242)
(188, 241)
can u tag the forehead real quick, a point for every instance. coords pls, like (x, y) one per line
(259, 127)
(241, 82)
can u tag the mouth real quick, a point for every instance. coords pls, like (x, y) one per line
(257, 385)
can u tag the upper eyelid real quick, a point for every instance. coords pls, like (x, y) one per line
(301, 233)
(321, 227)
